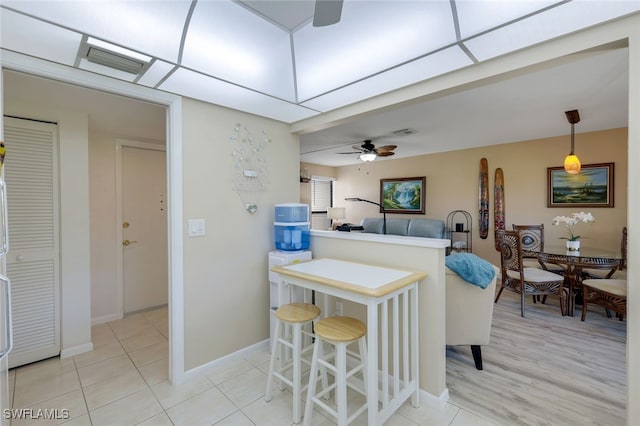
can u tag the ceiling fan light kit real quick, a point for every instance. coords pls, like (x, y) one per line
(368, 151)
(368, 156)
(572, 162)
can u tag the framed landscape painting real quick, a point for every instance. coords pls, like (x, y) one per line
(402, 195)
(592, 187)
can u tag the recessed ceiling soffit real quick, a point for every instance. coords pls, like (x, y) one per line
(265, 57)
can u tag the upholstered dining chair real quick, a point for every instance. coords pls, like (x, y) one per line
(610, 293)
(525, 281)
(620, 273)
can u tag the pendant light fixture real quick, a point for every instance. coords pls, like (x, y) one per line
(571, 161)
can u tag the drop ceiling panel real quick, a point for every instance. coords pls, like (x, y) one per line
(156, 72)
(227, 41)
(481, 15)
(561, 20)
(152, 27)
(421, 69)
(204, 88)
(23, 34)
(371, 37)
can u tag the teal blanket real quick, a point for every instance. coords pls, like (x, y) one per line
(471, 268)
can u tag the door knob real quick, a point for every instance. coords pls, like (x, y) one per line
(127, 243)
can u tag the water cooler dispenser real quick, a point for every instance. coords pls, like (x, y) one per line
(291, 235)
(291, 227)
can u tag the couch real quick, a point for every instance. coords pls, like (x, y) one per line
(428, 228)
(469, 313)
(469, 309)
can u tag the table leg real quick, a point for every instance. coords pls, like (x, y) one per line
(415, 348)
(372, 364)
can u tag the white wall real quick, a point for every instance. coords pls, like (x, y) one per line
(225, 272)
(103, 227)
(75, 272)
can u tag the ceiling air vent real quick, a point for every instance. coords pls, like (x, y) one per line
(113, 60)
(403, 132)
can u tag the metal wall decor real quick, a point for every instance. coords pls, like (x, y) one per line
(250, 166)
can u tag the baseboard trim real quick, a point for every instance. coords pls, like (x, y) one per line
(207, 368)
(105, 318)
(434, 401)
(426, 398)
(76, 350)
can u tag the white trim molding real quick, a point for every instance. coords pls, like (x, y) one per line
(41, 68)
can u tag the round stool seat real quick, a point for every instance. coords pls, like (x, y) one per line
(340, 329)
(297, 312)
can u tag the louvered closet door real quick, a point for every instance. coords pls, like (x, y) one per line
(33, 258)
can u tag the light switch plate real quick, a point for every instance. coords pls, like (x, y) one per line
(197, 227)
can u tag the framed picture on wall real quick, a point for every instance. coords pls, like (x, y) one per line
(402, 195)
(592, 187)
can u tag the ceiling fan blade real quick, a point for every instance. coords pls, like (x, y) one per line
(358, 148)
(327, 12)
(386, 148)
(385, 153)
(357, 152)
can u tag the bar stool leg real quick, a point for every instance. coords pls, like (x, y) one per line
(313, 376)
(297, 349)
(362, 346)
(272, 361)
(341, 382)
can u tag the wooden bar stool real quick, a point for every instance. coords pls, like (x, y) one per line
(340, 332)
(296, 315)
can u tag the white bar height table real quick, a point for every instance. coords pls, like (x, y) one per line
(389, 295)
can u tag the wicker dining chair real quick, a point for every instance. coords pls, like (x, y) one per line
(574, 272)
(610, 293)
(620, 273)
(532, 242)
(526, 281)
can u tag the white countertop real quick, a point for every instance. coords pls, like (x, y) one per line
(360, 278)
(385, 239)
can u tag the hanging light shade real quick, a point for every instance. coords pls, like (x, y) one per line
(572, 162)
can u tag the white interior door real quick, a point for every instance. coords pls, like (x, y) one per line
(33, 262)
(144, 214)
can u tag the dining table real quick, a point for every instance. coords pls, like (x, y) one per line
(390, 296)
(574, 262)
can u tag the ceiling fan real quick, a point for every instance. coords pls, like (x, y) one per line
(369, 152)
(327, 12)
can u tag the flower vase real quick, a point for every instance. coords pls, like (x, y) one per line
(573, 245)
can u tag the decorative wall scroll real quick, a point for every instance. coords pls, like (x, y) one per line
(498, 205)
(483, 199)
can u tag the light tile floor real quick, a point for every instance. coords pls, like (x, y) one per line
(124, 381)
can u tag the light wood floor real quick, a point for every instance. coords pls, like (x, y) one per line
(544, 369)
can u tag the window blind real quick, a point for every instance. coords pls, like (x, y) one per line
(321, 200)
